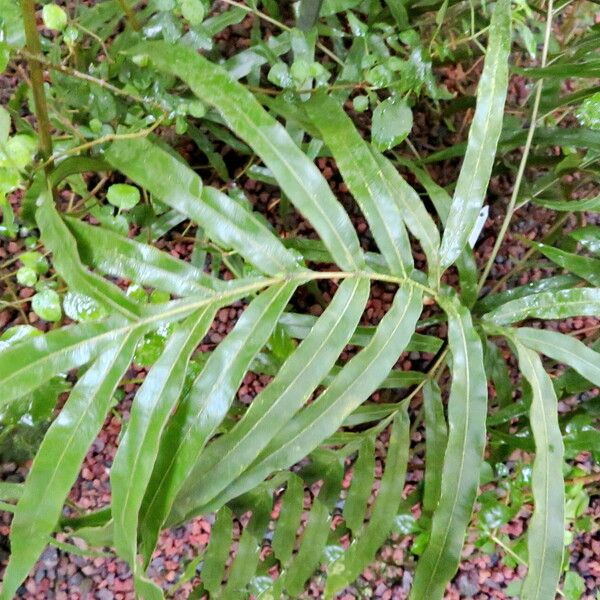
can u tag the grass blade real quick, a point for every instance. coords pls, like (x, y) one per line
(467, 409)
(58, 460)
(547, 526)
(483, 138)
(298, 177)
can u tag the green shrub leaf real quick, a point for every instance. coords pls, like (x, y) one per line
(152, 407)
(392, 122)
(548, 305)
(275, 406)
(206, 405)
(370, 188)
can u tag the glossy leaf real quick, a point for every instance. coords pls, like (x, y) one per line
(591, 204)
(548, 305)
(123, 195)
(299, 326)
(363, 474)
(206, 405)
(246, 559)
(392, 122)
(355, 382)
(588, 237)
(217, 552)
(436, 439)
(564, 349)
(318, 526)
(139, 446)
(417, 219)
(288, 522)
(545, 535)
(32, 361)
(367, 182)
(223, 218)
(467, 408)
(583, 266)
(465, 263)
(57, 462)
(362, 552)
(123, 257)
(483, 138)
(277, 403)
(10, 491)
(58, 239)
(299, 179)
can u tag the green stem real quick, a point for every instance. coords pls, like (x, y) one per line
(37, 81)
(523, 164)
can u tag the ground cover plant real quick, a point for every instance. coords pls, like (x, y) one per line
(133, 124)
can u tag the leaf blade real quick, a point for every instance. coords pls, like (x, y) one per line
(463, 458)
(545, 537)
(359, 378)
(57, 462)
(548, 305)
(224, 219)
(138, 448)
(277, 403)
(206, 406)
(483, 138)
(58, 239)
(365, 180)
(298, 177)
(120, 256)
